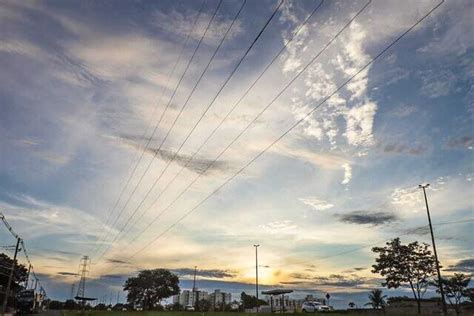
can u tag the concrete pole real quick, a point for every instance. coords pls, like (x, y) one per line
(441, 290)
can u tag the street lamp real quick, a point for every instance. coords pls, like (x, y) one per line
(441, 290)
(256, 274)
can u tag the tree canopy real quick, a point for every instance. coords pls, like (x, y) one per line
(5, 266)
(411, 264)
(250, 301)
(377, 299)
(455, 289)
(150, 287)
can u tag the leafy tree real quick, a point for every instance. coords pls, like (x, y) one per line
(455, 289)
(100, 307)
(469, 293)
(250, 301)
(70, 305)
(411, 264)
(352, 305)
(18, 277)
(56, 305)
(203, 305)
(150, 287)
(377, 299)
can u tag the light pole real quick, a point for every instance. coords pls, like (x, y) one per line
(256, 274)
(441, 290)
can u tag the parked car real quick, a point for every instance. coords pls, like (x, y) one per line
(189, 308)
(312, 307)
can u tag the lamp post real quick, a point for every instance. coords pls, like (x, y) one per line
(441, 290)
(256, 274)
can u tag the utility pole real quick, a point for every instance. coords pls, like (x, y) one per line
(10, 278)
(256, 275)
(194, 281)
(441, 290)
(194, 289)
(28, 277)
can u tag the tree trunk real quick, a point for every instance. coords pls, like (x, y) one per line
(419, 306)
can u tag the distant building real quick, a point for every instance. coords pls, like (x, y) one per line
(218, 298)
(189, 298)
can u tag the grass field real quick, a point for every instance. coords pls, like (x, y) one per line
(156, 313)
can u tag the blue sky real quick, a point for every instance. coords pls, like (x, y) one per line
(84, 84)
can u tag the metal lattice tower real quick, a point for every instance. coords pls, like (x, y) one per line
(81, 290)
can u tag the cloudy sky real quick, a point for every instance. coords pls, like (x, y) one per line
(125, 128)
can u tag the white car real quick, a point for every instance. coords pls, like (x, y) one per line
(312, 307)
(189, 308)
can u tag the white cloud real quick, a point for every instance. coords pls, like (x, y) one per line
(325, 160)
(38, 218)
(352, 58)
(182, 23)
(408, 199)
(317, 204)
(403, 110)
(21, 47)
(278, 227)
(347, 173)
(360, 122)
(453, 31)
(437, 83)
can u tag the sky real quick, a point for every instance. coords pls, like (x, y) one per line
(128, 132)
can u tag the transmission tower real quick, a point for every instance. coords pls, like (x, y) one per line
(81, 290)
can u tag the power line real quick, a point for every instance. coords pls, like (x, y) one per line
(167, 105)
(211, 103)
(299, 121)
(23, 247)
(176, 119)
(133, 170)
(295, 33)
(251, 123)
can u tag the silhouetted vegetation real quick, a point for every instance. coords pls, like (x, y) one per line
(250, 301)
(412, 265)
(150, 287)
(377, 299)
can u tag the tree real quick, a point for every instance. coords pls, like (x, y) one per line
(469, 293)
(100, 307)
(250, 301)
(56, 305)
(411, 264)
(150, 287)
(328, 297)
(455, 289)
(352, 305)
(377, 299)
(203, 305)
(19, 276)
(70, 304)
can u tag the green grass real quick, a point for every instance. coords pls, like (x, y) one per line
(167, 313)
